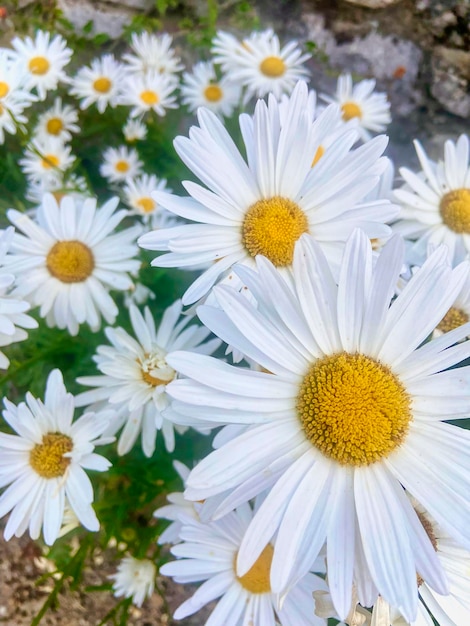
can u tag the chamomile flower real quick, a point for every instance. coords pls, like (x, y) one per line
(13, 317)
(135, 578)
(134, 130)
(46, 160)
(44, 463)
(359, 102)
(149, 92)
(67, 260)
(350, 408)
(59, 121)
(120, 164)
(436, 202)
(264, 206)
(138, 195)
(13, 98)
(201, 87)
(262, 66)
(152, 53)
(42, 60)
(208, 553)
(136, 374)
(98, 84)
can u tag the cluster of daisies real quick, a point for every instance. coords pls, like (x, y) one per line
(337, 486)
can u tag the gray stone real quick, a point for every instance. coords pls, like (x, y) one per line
(451, 80)
(373, 4)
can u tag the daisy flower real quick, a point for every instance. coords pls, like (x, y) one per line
(136, 374)
(201, 87)
(152, 53)
(59, 121)
(67, 260)
(263, 206)
(98, 84)
(262, 66)
(150, 92)
(42, 60)
(44, 463)
(349, 409)
(371, 110)
(209, 553)
(138, 294)
(13, 98)
(135, 578)
(46, 160)
(120, 164)
(138, 195)
(13, 318)
(436, 202)
(134, 130)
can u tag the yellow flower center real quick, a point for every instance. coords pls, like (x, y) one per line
(353, 408)
(122, 166)
(149, 97)
(102, 85)
(271, 227)
(452, 319)
(213, 93)
(4, 89)
(39, 66)
(257, 579)
(154, 368)
(70, 261)
(54, 126)
(273, 67)
(146, 204)
(50, 160)
(47, 458)
(318, 155)
(455, 210)
(351, 110)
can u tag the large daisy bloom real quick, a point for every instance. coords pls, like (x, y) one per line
(42, 61)
(202, 88)
(436, 201)
(135, 578)
(136, 373)
(209, 552)
(264, 205)
(371, 110)
(44, 464)
(349, 409)
(67, 260)
(13, 317)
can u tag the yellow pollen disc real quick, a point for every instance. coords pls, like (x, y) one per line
(257, 579)
(102, 85)
(452, 319)
(353, 408)
(70, 261)
(49, 160)
(4, 89)
(213, 93)
(272, 227)
(47, 458)
(149, 97)
(318, 155)
(351, 110)
(39, 66)
(146, 204)
(273, 67)
(122, 166)
(152, 380)
(455, 210)
(54, 126)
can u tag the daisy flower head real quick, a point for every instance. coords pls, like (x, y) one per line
(136, 374)
(134, 130)
(138, 195)
(152, 53)
(67, 260)
(349, 409)
(44, 464)
(208, 553)
(436, 201)
(225, 50)
(135, 578)
(202, 87)
(120, 164)
(59, 121)
(149, 92)
(13, 317)
(72, 185)
(42, 61)
(13, 98)
(359, 102)
(46, 159)
(98, 84)
(263, 206)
